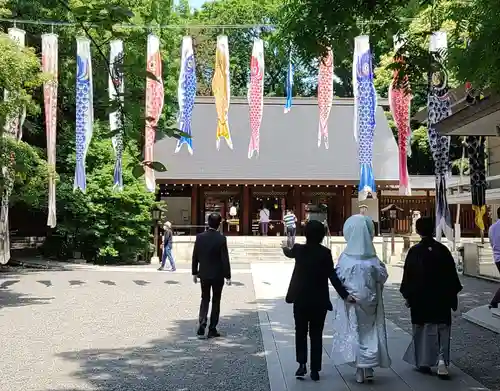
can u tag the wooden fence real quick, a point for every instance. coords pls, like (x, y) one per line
(426, 206)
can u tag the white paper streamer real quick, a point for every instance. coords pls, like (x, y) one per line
(50, 67)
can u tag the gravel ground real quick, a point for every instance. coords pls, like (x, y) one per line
(91, 330)
(475, 350)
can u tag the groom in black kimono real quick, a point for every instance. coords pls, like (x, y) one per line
(430, 287)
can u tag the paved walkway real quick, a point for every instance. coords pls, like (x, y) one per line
(132, 328)
(270, 282)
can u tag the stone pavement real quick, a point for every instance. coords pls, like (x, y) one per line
(132, 331)
(132, 328)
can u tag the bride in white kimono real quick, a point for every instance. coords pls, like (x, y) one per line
(359, 333)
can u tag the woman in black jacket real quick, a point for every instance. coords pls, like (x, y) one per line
(308, 291)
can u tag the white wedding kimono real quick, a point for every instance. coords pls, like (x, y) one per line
(359, 333)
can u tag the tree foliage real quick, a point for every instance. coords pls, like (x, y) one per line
(105, 225)
(19, 75)
(314, 25)
(108, 226)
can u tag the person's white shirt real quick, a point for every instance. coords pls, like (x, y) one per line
(264, 215)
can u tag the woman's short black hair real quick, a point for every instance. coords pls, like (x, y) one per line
(425, 226)
(314, 232)
(214, 220)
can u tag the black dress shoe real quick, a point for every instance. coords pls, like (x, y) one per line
(425, 370)
(314, 375)
(301, 371)
(213, 333)
(201, 331)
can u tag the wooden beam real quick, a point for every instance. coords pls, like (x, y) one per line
(246, 206)
(195, 205)
(347, 202)
(297, 205)
(277, 183)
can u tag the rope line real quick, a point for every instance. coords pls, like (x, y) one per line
(54, 23)
(138, 26)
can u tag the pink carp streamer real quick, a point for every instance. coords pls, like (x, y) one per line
(13, 128)
(50, 67)
(255, 95)
(154, 105)
(400, 104)
(325, 96)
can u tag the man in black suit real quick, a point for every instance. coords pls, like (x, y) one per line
(308, 291)
(211, 265)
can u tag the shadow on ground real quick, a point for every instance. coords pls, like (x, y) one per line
(181, 361)
(9, 298)
(14, 299)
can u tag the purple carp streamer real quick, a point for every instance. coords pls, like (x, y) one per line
(438, 108)
(115, 87)
(84, 110)
(13, 129)
(186, 94)
(289, 84)
(365, 105)
(50, 67)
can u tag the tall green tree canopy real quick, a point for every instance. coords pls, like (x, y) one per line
(474, 39)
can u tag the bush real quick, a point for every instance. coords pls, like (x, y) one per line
(105, 225)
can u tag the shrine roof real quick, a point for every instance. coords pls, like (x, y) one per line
(288, 145)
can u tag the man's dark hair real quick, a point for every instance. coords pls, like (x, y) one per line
(314, 232)
(498, 213)
(425, 227)
(214, 220)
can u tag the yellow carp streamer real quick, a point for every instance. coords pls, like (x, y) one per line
(222, 90)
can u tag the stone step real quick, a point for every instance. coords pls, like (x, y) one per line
(484, 317)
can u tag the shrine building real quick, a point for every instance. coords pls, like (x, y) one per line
(289, 172)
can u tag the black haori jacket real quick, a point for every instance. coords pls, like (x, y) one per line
(430, 283)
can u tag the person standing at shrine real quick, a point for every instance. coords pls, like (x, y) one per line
(290, 221)
(264, 215)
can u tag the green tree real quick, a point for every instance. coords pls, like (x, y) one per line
(105, 225)
(19, 75)
(110, 226)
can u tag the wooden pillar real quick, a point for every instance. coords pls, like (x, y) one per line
(247, 205)
(297, 198)
(195, 207)
(290, 202)
(347, 202)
